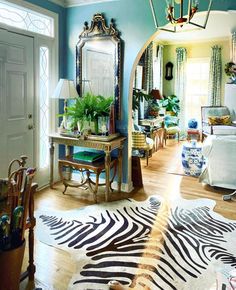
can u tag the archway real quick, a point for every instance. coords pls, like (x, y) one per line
(214, 30)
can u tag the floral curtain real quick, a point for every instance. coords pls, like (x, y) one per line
(234, 47)
(148, 68)
(148, 73)
(158, 69)
(215, 77)
(180, 83)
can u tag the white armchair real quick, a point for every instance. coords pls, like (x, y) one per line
(220, 169)
(217, 120)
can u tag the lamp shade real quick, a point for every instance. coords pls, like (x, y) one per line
(65, 89)
(156, 94)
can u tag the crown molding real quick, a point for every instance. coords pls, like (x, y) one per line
(59, 2)
(71, 3)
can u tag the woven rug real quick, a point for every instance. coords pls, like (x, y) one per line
(145, 245)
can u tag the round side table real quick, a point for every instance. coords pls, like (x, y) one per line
(192, 159)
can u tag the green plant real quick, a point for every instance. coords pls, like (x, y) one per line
(230, 69)
(88, 108)
(171, 103)
(139, 96)
(103, 106)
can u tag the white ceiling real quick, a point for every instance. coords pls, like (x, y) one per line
(70, 3)
(220, 25)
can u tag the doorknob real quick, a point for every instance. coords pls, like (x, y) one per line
(30, 116)
(30, 127)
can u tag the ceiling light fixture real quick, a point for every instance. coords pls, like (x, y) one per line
(178, 5)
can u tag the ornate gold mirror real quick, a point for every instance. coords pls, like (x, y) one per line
(98, 60)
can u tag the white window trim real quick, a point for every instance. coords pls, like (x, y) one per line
(41, 40)
(198, 59)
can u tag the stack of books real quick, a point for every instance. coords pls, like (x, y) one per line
(88, 156)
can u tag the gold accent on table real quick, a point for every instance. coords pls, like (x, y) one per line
(106, 146)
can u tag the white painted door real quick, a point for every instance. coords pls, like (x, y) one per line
(16, 99)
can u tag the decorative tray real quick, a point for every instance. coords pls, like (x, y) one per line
(70, 134)
(91, 137)
(103, 138)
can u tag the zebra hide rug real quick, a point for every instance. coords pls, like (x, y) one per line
(145, 245)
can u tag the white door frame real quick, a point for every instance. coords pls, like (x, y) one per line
(53, 45)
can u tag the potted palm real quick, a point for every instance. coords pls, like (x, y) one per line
(139, 96)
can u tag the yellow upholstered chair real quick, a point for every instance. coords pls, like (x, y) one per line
(141, 142)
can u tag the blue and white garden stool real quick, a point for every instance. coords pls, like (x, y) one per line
(192, 159)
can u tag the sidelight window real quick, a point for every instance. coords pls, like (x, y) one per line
(44, 107)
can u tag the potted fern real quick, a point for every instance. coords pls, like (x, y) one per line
(86, 111)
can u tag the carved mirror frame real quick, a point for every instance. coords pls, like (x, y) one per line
(98, 30)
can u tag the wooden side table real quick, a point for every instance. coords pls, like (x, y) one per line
(193, 134)
(107, 146)
(88, 167)
(159, 137)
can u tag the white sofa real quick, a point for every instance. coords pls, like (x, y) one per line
(220, 168)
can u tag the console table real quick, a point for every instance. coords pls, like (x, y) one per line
(106, 146)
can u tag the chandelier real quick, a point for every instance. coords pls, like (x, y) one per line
(175, 7)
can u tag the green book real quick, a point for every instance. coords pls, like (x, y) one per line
(88, 156)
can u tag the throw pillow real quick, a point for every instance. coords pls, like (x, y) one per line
(216, 120)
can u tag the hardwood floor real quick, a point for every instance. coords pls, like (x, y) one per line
(163, 177)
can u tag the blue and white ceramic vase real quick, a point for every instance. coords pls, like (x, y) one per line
(192, 159)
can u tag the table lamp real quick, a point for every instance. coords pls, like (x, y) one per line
(156, 94)
(65, 89)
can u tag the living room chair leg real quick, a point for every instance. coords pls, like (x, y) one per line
(64, 191)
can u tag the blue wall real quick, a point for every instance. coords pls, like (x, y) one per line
(62, 30)
(133, 19)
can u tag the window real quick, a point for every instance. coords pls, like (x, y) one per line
(26, 19)
(44, 107)
(196, 87)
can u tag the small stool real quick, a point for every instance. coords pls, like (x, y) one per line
(193, 134)
(96, 167)
(192, 159)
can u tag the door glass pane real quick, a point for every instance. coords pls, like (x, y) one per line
(44, 108)
(26, 19)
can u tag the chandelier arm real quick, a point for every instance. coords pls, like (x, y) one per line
(181, 8)
(153, 14)
(169, 30)
(189, 10)
(188, 20)
(207, 16)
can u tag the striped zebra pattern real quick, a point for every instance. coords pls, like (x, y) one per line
(145, 244)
